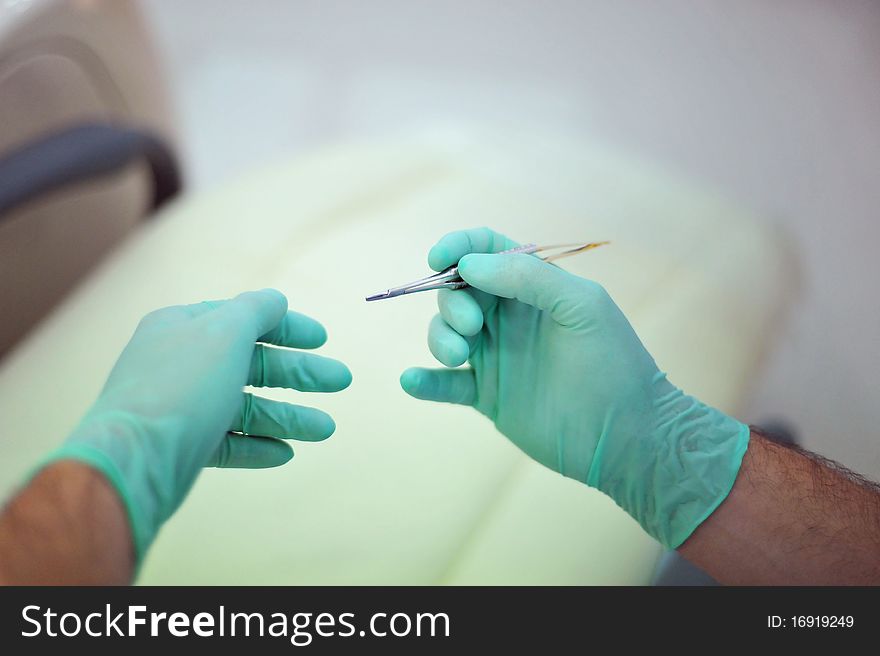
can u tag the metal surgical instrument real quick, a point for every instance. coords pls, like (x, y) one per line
(449, 278)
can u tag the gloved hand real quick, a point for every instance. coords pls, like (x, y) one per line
(176, 390)
(557, 367)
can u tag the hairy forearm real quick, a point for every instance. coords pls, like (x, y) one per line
(66, 527)
(791, 518)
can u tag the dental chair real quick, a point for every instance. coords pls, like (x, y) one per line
(86, 147)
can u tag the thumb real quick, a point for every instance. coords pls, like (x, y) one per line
(524, 277)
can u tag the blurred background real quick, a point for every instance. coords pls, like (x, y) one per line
(775, 105)
(730, 150)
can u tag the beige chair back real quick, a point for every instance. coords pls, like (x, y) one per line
(65, 63)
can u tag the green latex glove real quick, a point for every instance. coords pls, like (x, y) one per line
(557, 367)
(176, 390)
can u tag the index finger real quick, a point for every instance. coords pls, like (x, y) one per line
(292, 329)
(455, 245)
(265, 308)
(296, 330)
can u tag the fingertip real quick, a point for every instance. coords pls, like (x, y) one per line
(328, 428)
(410, 380)
(460, 356)
(275, 296)
(251, 452)
(344, 378)
(449, 351)
(316, 426)
(443, 385)
(438, 257)
(448, 346)
(296, 330)
(283, 454)
(472, 263)
(471, 324)
(461, 311)
(266, 307)
(334, 375)
(262, 453)
(313, 334)
(476, 269)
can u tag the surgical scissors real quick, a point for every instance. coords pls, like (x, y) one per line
(449, 278)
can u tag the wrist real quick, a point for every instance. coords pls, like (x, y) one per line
(672, 465)
(108, 443)
(67, 526)
(117, 479)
